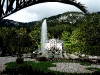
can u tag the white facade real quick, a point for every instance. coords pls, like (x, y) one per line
(53, 48)
(53, 43)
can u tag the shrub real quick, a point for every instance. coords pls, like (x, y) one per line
(19, 60)
(42, 59)
(98, 61)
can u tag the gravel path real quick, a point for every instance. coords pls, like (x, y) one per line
(72, 67)
(4, 60)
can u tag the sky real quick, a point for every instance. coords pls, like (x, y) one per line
(43, 10)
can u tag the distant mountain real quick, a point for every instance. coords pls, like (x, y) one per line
(67, 17)
(11, 23)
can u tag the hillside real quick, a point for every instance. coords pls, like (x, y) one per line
(16, 24)
(68, 17)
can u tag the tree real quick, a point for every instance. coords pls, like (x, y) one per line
(24, 40)
(78, 37)
(66, 36)
(1, 44)
(35, 37)
(87, 36)
(5, 37)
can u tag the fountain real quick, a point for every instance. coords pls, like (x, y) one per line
(52, 47)
(43, 36)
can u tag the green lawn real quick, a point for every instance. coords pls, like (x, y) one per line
(40, 66)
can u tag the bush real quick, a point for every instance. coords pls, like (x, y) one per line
(98, 60)
(42, 59)
(19, 60)
(92, 50)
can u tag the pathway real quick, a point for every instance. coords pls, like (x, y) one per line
(72, 67)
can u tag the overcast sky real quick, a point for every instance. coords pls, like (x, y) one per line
(40, 11)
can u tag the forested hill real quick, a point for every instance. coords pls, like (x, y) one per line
(69, 17)
(16, 24)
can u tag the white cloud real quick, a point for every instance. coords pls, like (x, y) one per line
(40, 11)
(23, 16)
(92, 5)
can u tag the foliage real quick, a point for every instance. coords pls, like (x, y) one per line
(66, 36)
(86, 35)
(77, 37)
(19, 60)
(41, 58)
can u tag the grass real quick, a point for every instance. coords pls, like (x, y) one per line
(42, 66)
(85, 63)
(29, 65)
(93, 68)
(16, 65)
